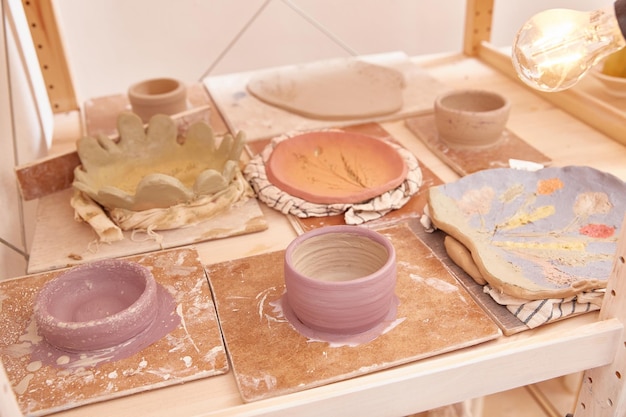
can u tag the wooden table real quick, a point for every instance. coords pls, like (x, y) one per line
(528, 357)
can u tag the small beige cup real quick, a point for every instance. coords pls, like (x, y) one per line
(468, 118)
(157, 96)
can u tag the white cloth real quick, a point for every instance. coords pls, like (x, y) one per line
(184, 214)
(109, 224)
(354, 214)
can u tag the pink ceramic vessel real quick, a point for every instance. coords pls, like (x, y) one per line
(97, 305)
(341, 279)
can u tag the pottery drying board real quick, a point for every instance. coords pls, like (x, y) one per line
(242, 111)
(270, 358)
(191, 351)
(413, 208)
(469, 160)
(60, 241)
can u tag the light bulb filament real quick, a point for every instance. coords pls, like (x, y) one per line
(557, 47)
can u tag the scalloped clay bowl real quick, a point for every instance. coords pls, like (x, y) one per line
(341, 279)
(97, 305)
(468, 118)
(157, 96)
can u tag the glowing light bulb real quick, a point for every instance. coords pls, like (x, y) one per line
(556, 48)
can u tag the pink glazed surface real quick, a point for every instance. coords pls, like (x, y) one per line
(340, 281)
(101, 305)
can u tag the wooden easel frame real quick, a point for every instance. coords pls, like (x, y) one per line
(48, 44)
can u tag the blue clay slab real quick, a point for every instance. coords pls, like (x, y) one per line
(546, 234)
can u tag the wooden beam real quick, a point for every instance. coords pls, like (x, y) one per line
(478, 19)
(52, 60)
(603, 393)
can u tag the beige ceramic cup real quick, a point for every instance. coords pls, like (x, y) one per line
(468, 118)
(157, 96)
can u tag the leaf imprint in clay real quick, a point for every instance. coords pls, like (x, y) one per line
(327, 167)
(149, 169)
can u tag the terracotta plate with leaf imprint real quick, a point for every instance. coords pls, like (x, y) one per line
(327, 167)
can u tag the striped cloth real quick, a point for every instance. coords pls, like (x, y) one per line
(534, 313)
(354, 214)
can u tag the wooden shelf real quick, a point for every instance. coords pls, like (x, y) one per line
(576, 127)
(550, 351)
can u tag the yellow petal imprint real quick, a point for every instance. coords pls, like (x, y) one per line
(522, 218)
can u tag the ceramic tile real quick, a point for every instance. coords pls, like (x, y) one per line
(247, 301)
(62, 380)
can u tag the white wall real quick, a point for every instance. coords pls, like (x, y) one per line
(23, 138)
(114, 43)
(111, 44)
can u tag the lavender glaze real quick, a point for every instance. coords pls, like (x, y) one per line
(340, 280)
(97, 305)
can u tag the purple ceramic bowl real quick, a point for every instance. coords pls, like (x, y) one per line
(97, 305)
